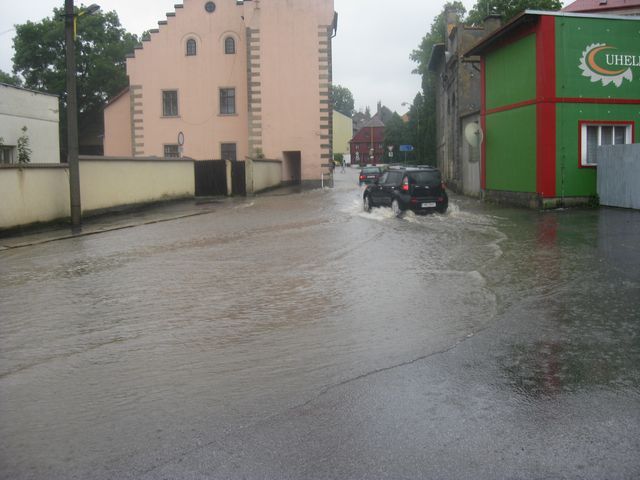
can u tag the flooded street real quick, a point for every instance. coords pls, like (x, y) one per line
(296, 336)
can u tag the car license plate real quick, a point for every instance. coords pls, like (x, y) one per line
(429, 205)
(371, 176)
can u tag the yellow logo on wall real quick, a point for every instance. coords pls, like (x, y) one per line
(606, 68)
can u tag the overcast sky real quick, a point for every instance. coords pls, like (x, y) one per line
(370, 53)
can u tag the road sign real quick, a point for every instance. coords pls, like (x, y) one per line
(406, 148)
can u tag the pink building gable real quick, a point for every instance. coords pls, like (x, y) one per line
(239, 79)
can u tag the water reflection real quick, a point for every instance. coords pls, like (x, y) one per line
(582, 304)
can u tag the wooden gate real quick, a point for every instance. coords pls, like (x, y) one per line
(238, 178)
(211, 177)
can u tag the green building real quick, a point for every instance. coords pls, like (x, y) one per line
(554, 87)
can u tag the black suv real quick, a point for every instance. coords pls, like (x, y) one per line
(408, 188)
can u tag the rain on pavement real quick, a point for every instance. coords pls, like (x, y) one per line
(296, 336)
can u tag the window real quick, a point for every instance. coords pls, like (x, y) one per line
(229, 46)
(170, 103)
(394, 178)
(6, 155)
(191, 47)
(227, 101)
(172, 151)
(228, 151)
(593, 135)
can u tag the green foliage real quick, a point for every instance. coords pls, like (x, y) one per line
(342, 100)
(24, 151)
(423, 110)
(10, 79)
(508, 8)
(338, 158)
(101, 48)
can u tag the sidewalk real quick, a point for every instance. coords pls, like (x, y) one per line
(115, 220)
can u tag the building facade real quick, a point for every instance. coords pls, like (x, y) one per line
(458, 103)
(29, 114)
(342, 132)
(367, 146)
(556, 86)
(231, 79)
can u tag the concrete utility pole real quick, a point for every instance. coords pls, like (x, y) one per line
(72, 116)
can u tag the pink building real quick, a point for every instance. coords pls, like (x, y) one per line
(236, 79)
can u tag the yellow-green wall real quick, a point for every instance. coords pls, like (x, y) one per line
(342, 133)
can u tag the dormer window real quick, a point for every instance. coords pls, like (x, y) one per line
(191, 47)
(229, 46)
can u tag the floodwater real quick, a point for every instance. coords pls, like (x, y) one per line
(173, 350)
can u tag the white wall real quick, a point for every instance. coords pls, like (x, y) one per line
(40, 193)
(262, 174)
(39, 113)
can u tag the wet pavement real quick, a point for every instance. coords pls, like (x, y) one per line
(295, 336)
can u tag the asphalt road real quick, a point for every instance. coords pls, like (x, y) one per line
(297, 337)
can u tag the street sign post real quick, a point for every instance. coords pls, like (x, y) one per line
(405, 149)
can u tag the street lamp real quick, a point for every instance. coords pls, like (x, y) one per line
(72, 108)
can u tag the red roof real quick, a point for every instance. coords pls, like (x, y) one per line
(600, 6)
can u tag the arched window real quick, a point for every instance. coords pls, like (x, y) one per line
(229, 46)
(191, 47)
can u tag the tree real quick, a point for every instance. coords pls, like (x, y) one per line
(508, 8)
(102, 45)
(395, 133)
(10, 79)
(342, 100)
(423, 110)
(24, 151)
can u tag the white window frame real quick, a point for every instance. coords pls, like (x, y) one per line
(171, 146)
(227, 97)
(628, 137)
(191, 52)
(170, 115)
(7, 154)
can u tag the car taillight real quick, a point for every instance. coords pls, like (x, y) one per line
(405, 186)
(362, 177)
(441, 199)
(414, 200)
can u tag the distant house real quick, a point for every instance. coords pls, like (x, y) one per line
(231, 80)
(367, 146)
(36, 111)
(342, 132)
(614, 7)
(556, 86)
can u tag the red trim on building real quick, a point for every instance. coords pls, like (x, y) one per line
(601, 122)
(616, 101)
(512, 106)
(483, 123)
(546, 107)
(600, 101)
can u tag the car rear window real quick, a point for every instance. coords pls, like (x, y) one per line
(371, 170)
(431, 178)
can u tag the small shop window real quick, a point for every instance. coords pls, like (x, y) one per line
(172, 151)
(594, 135)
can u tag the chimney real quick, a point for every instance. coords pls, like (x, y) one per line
(492, 23)
(452, 21)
